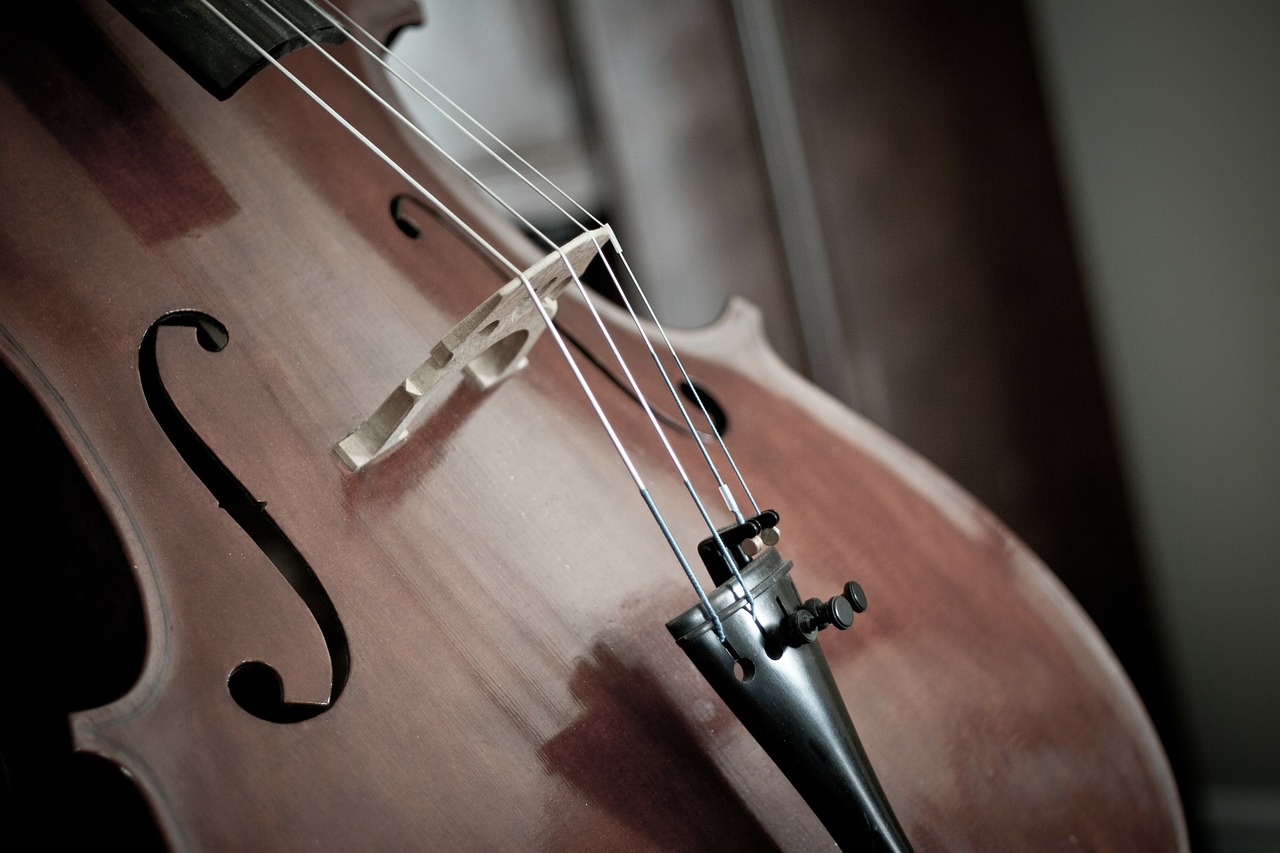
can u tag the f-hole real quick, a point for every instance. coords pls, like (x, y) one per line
(402, 220)
(410, 214)
(255, 686)
(693, 392)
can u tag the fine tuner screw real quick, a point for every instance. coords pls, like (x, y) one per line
(803, 625)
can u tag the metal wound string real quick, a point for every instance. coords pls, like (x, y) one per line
(353, 26)
(640, 396)
(725, 492)
(716, 624)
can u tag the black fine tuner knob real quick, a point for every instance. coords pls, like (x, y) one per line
(799, 628)
(837, 611)
(856, 596)
(802, 626)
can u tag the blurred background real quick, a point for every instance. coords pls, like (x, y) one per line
(1037, 241)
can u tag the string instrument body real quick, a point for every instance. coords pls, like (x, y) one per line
(501, 592)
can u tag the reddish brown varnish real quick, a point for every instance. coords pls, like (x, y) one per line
(503, 590)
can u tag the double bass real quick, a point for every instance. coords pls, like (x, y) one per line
(365, 611)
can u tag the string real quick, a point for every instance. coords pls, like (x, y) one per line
(352, 24)
(724, 490)
(503, 261)
(644, 402)
(713, 618)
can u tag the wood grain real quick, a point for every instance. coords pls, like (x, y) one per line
(503, 591)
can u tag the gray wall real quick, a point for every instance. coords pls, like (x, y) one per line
(1168, 123)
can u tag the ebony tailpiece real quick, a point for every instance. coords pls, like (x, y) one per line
(777, 682)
